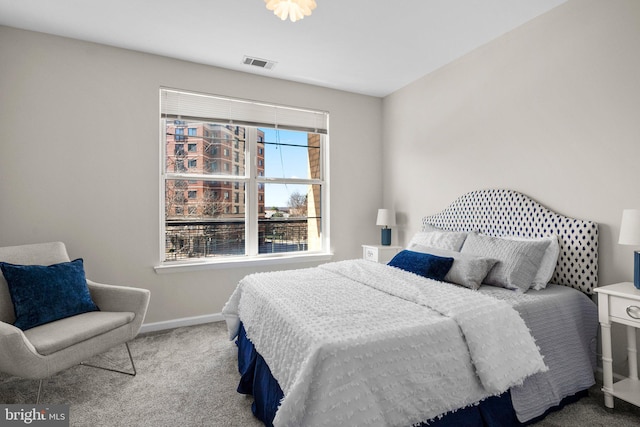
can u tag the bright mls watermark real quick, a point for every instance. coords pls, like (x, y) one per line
(34, 415)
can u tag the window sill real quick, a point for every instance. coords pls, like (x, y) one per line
(239, 262)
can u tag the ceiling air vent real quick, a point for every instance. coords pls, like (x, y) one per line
(257, 62)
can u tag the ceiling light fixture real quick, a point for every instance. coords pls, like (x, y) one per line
(294, 9)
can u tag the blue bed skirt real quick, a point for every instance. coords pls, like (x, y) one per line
(256, 380)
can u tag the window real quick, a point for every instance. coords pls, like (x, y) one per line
(179, 131)
(263, 200)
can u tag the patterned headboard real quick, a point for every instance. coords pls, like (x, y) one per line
(509, 213)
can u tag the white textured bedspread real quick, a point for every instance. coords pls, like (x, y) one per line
(360, 343)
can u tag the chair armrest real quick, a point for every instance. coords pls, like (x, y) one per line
(17, 355)
(9, 333)
(121, 298)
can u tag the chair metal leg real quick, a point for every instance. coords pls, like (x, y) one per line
(133, 374)
(133, 366)
(39, 389)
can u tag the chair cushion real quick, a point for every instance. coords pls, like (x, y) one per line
(55, 336)
(42, 294)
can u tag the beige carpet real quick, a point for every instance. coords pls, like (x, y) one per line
(188, 376)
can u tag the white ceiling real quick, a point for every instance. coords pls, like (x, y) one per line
(371, 47)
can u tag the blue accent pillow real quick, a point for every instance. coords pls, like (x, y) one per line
(427, 265)
(42, 294)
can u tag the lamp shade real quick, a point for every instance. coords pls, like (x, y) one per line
(630, 227)
(386, 217)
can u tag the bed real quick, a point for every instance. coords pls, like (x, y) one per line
(425, 340)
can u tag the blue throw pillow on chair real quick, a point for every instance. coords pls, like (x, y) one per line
(427, 265)
(43, 294)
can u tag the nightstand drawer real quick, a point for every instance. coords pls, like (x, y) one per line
(625, 309)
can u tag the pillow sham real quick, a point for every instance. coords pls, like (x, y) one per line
(518, 260)
(437, 238)
(467, 270)
(548, 263)
(42, 294)
(427, 265)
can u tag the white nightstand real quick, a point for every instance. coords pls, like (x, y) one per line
(379, 253)
(619, 303)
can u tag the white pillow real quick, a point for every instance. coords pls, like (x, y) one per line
(440, 239)
(467, 270)
(518, 260)
(548, 263)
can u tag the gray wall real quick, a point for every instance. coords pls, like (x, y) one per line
(80, 159)
(551, 109)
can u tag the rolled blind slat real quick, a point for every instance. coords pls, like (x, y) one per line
(176, 104)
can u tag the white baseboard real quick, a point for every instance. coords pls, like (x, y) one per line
(599, 375)
(177, 323)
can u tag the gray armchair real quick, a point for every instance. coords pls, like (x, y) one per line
(44, 350)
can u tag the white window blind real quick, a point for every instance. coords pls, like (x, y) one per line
(180, 105)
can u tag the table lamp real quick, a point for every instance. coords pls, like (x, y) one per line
(630, 235)
(386, 218)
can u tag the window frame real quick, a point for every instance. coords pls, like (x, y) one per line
(252, 181)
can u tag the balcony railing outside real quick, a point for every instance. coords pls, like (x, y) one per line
(215, 238)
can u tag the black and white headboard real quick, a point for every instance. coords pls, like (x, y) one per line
(510, 213)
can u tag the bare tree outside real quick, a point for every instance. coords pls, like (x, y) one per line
(297, 204)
